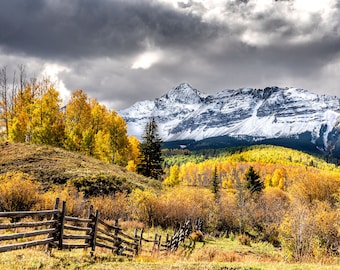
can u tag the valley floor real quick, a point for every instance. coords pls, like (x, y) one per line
(220, 254)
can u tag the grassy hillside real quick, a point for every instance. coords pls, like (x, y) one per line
(51, 165)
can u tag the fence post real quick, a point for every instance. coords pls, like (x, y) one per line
(56, 206)
(141, 240)
(136, 242)
(117, 243)
(167, 245)
(61, 228)
(89, 225)
(116, 228)
(54, 217)
(154, 243)
(159, 244)
(94, 232)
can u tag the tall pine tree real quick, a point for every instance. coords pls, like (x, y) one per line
(254, 183)
(150, 158)
(214, 182)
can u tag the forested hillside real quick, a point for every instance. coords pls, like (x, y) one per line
(277, 166)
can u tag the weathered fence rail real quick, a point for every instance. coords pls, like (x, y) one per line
(55, 229)
(27, 234)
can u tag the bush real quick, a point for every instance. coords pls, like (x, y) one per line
(111, 207)
(327, 221)
(297, 232)
(178, 204)
(268, 213)
(99, 185)
(244, 240)
(143, 206)
(211, 254)
(18, 192)
(227, 219)
(310, 231)
(313, 187)
(75, 204)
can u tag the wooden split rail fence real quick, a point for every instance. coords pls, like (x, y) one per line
(54, 229)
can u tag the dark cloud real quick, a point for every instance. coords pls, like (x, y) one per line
(210, 45)
(86, 28)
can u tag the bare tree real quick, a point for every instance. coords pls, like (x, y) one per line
(22, 77)
(9, 95)
(4, 101)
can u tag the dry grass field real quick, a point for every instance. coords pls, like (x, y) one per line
(219, 254)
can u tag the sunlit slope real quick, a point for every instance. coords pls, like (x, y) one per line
(280, 155)
(276, 166)
(52, 165)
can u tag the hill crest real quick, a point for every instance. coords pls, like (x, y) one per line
(51, 165)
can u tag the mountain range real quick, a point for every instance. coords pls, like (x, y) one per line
(291, 117)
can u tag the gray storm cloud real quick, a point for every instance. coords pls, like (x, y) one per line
(75, 29)
(124, 51)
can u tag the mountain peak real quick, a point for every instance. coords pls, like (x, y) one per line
(272, 113)
(184, 93)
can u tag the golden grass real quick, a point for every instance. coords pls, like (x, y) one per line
(38, 259)
(46, 163)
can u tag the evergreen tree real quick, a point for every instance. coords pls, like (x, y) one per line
(214, 182)
(254, 183)
(150, 157)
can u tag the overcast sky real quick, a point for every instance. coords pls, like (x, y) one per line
(123, 51)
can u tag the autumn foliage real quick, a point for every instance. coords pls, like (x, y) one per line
(274, 194)
(18, 191)
(35, 114)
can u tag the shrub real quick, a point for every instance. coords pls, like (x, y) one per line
(178, 204)
(211, 254)
(310, 230)
(297, 232)
(244, 240)
(111, 207)
(314, 187)
(268, 213)
(131, 224)
(143, 205)
(75, 204)
(18, 192)
(327, 221)
(99, 185)
(227, 220)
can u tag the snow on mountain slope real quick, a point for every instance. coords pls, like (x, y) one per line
(185, 113)
(169, 110)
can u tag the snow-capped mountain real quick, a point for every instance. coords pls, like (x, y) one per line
(249, 115)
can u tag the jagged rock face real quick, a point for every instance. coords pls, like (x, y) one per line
(256, 114)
